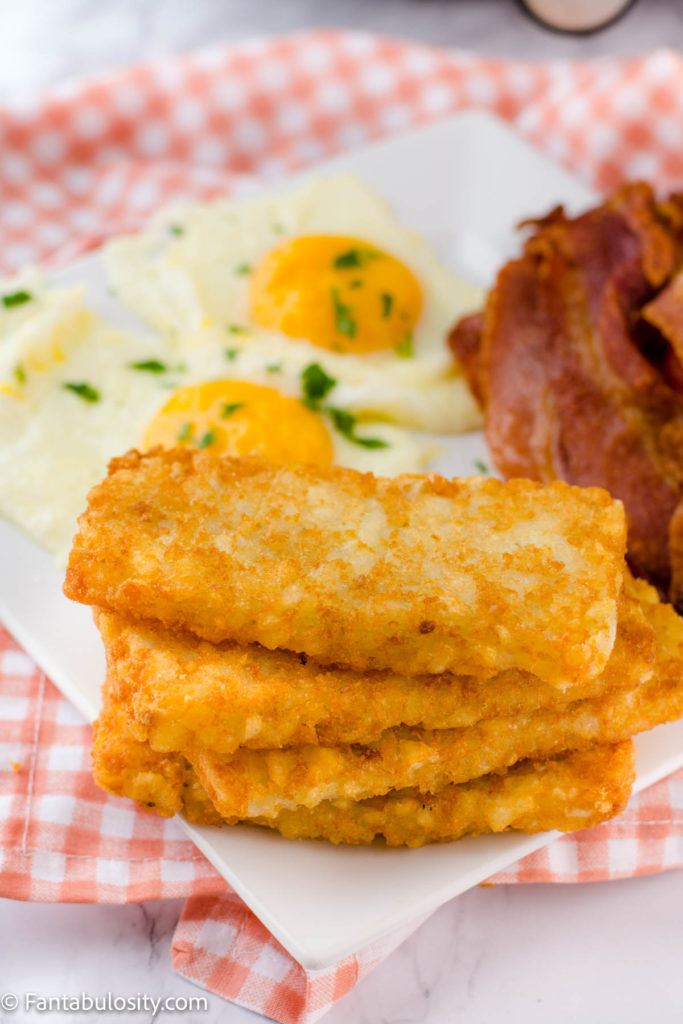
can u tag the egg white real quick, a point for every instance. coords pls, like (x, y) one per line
(185, 275)
(55, 445)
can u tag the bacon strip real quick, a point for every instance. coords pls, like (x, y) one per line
(577, 365)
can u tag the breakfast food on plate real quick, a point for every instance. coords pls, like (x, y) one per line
(76, 390)
(577, 790)
(165, 783)
(69, 400)
(304, 328)
(322, 275)
(262, 783)
(416, 574)
(577, 361)
(272, 737)
(181, 691)
(336, 654)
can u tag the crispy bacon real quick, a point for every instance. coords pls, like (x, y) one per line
(578, 363)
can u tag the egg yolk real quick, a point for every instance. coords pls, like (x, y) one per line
(339, 293)
(227, 417)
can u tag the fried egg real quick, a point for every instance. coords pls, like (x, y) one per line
(229, 417)
(323, 275)
(76, 391)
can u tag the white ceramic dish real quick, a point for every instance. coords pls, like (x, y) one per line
(463, 183)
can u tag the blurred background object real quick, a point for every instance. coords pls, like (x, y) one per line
(44, 42)
(578, 16)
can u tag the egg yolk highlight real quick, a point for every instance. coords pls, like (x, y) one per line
(339, 293)
(226, 417)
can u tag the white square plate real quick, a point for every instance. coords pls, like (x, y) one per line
(463, 183)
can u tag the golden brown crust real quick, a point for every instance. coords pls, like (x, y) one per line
(415, 574)
(579, 790)
(575, 791)
(264, 783)
(258, 783)
(568, 791)
(185, 692)
(124, 765)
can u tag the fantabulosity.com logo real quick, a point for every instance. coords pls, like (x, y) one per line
(83, 1002)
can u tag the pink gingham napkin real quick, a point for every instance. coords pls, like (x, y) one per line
(97, 158)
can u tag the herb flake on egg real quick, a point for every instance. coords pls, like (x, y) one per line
(207, 439)
(344, 322)
(16, 299)
(85, 391)
(149, 366)
(230, 407)
(354, 258)
(405, 349)
(316, 385)
(345, 423)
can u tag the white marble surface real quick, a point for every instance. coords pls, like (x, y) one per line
(602, 952)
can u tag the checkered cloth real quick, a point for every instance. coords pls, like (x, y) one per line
(95, 159)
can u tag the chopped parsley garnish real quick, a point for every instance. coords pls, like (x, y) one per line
(83, 390)
(16, 299)
(343, 420)
(235, 329)
(279, 229)
(343, 320)
(19, 374)
(229, 408)
(481, 466)
(149, 366)
(243, 268)
(207, 439)
(345, 423)
(231, 353)
(316, 384)
(274, 368)
(176, 229)
(354, 258)
(356, 283)
(185, 432)
(387, 304)
(404, 349)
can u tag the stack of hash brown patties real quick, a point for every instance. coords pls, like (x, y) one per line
(334, 655)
